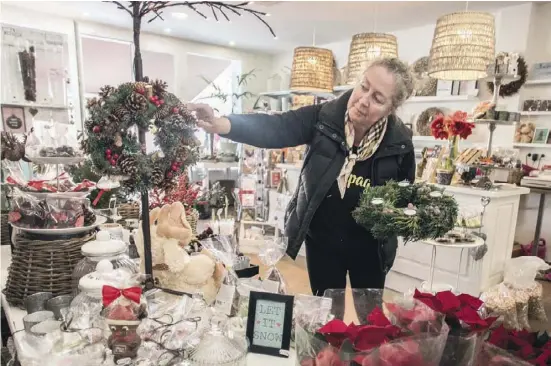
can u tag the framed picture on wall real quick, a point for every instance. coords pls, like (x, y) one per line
(13, 119)
(540, 136)
(275, 178)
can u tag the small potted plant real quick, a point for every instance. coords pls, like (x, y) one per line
(452, 128)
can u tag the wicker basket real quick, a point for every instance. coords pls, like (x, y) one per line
(42, 266)
(4, 229)
(312, 69)
(129, 210)
(193, 219)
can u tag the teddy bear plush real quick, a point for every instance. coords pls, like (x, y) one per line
(172, 265)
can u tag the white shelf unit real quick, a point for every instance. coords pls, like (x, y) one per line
(538, 82)
(37, 105)
(536, 113)
(343, 88)
(529, 145)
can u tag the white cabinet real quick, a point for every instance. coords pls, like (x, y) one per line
(412, 265)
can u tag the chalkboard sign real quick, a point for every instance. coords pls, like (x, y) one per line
(269, 323)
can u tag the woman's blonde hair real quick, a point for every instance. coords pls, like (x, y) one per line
(402, 75)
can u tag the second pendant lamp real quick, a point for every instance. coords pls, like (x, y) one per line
(366, 47)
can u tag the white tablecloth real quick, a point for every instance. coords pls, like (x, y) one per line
(15, 316)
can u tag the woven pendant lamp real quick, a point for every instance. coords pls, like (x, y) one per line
(366, 47)
(463, 46)
(312, 70)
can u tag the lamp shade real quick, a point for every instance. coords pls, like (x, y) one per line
(463, 46)
(312, 69)
(366, 47)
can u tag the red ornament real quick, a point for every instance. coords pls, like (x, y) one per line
(174, 167)
(108, 152)
(169, 175)
(116, 156)
(140, 90)
(175, 110)
(113, 162)
(96, 129)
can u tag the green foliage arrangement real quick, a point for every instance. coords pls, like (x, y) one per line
(111, 135)
(413, 211)
(85, 170)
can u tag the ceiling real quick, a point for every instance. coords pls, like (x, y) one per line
(294, 22)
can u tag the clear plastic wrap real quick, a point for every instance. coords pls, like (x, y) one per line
(83, 348)
(56, 211)
(51, 183)
(491, 355)
(520, 275)
(379, 342)
(271, 252)
(500, 302)
(225, 252)
(123, 311)
(58, 141)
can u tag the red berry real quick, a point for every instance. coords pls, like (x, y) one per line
(175, 110)
(96, 129)
(162, 101)
(108, 151)
(116, 156)
(140, 90)
(174, 167)
(113, 162)
(169, 175)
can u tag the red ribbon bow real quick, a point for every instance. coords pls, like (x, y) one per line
(110, 294)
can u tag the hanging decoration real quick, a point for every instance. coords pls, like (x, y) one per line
(513, 87)
(413, 211)
(113, 145)
(366, 47)
(312, 69)
(463, 46)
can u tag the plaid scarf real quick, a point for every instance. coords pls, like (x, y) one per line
(368, 146)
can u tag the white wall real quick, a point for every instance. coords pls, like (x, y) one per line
(179, 48)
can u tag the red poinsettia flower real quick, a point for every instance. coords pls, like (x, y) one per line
(335, 332)
(456, 308)
(437, 123)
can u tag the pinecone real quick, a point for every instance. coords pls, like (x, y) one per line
(159, 87)
(128, 165)
(89, 216)
(110, 124)
(93, 102)
(122, 113)
(106, 91)
(89, 124)
(157, 176)
(162, 112)
(136, 102)
(140, 86)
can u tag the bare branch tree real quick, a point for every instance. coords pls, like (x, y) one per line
(155, 9)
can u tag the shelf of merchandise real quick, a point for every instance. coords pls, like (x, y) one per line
(529, 145)
(213, 165)
(37, 105)
(538, 82)
(536, 113)
(342, 88)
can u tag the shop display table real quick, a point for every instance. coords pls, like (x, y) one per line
(413, 261)
(14, 316)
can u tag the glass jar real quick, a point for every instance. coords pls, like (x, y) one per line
(85, 309)
(103, 248)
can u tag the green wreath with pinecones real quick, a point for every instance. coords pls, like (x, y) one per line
(413, 211)
(111, 135)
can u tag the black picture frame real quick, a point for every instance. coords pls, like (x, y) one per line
(282, 351)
